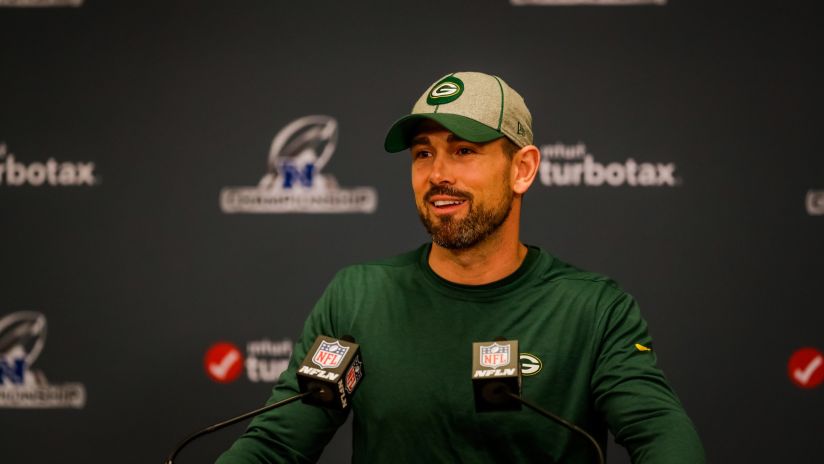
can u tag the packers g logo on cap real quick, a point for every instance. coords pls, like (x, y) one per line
(445, 91)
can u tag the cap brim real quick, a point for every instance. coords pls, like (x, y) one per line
(401, 133)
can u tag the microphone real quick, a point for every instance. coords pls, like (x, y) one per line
(331, 373)
(496, 380)
(496, 370)
(315, 387)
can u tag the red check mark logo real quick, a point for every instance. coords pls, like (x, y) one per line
(803, 375)
(806, 368)
(220, 369)
(223, 362)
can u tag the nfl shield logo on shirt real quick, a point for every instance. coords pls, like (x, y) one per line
(494, 355)
(329, 355)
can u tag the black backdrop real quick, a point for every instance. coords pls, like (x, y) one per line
(169, 102)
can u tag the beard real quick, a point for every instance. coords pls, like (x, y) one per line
(458, 234)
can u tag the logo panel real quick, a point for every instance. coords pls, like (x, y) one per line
(294, 182)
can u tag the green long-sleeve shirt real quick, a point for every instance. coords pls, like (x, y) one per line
(415, 403)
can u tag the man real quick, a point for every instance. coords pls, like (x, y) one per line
(415, 317)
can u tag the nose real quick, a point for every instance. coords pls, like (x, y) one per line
(442, 170)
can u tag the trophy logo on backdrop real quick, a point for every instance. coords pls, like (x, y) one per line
(815, 202)
(574, 166)
(22, 338)
(294, 182)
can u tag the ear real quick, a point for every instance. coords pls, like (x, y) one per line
(525, 164)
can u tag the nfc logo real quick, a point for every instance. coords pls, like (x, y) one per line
(14, 372)
(294, 181)
(292, 173)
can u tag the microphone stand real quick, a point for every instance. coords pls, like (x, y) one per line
(234, 420)
(559, 420)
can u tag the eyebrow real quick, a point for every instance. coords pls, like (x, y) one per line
(419, 140)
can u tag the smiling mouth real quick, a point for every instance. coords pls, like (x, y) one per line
(447, 207)
(444, 200)
(447, 203)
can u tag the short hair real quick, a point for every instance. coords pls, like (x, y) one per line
(509, 147)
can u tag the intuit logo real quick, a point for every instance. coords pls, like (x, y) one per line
(264, 362)
(53, 173)
(572, 165)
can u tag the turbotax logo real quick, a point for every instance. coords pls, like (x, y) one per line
(293, 182)
(573, 165)
(14, 173)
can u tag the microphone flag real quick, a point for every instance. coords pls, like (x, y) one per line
(331, 372)
(496, 370)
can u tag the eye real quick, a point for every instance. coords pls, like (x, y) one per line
(420, 154)
(465, 151)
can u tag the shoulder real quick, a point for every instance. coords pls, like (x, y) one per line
(594, 297)
(566, 278)
(402, 264)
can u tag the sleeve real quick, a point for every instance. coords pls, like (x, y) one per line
(296, 432)
(640, 408)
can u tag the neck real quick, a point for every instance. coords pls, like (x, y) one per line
(496, 257)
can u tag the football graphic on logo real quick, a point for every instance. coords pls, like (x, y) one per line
(22, 335)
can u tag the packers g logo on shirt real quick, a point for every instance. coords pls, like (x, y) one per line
(530, 364)
(445, 91)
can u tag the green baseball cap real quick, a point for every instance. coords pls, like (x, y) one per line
(474, 106)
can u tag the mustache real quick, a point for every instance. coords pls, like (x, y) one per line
(445, 190)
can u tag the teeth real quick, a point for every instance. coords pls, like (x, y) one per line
(447, 202)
